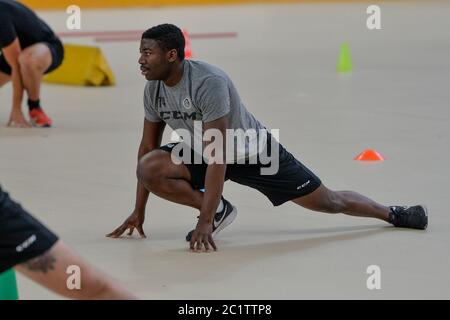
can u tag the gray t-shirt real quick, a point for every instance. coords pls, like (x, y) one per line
(205, 93)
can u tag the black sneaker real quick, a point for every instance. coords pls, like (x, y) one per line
(415, 217)
(221, 220)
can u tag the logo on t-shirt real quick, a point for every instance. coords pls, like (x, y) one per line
(160, 102)
(177, 115)
(187, 103)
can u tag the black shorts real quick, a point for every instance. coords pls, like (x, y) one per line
(22, 237)
(291, 181)
(56, 49)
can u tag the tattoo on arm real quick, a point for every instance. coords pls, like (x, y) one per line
(44, 263)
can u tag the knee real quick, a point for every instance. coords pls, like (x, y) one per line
(150, 169)
(28, 62)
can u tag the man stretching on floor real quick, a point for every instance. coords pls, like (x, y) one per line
(184, 94)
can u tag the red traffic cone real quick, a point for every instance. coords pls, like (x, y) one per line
(369, 155)
(187, 48)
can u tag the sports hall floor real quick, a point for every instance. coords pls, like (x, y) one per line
(79, 177)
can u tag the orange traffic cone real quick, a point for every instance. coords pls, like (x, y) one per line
(187, 48)
(369, 155)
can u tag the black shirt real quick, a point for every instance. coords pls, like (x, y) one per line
(16, 20)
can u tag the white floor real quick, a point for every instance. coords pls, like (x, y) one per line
(79, 176)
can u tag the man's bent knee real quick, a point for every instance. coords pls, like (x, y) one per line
(150, 168)
(30, 62)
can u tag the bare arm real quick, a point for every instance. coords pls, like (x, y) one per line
(58, 266)
(151, 139)
(12, 53)
(214, 181)
(215, 173)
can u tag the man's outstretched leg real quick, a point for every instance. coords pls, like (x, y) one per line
(355, 204)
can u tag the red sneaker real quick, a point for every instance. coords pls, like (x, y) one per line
(39, 119)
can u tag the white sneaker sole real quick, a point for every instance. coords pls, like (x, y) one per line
(226, 222)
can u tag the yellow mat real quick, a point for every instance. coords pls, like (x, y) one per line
(82, 66)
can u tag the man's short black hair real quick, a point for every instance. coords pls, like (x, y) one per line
(168, 37)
